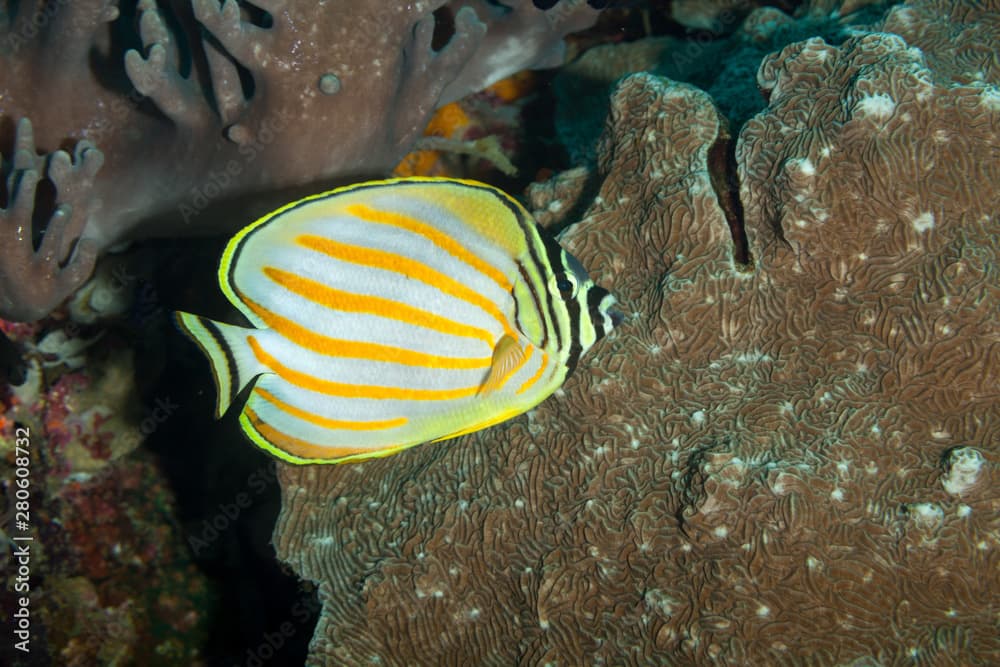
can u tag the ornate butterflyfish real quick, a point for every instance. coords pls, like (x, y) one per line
(393, 313)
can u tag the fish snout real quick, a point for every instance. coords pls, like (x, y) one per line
(615, 314)
(604, 313)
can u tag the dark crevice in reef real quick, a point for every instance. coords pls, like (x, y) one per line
(444, 27)
(723, 173)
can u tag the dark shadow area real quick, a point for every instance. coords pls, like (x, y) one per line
(228, 497)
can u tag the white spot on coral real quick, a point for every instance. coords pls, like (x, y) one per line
(720, 531)
(991, 98)
(555, 206)
(752, 357)
(927, 515)
(879, 105)
(837, 494)
(923, 222)
(698, 417)
(519, 503)
(658, 600)
(964, 466)
(813, 563)
(963, 511)
(763, 610)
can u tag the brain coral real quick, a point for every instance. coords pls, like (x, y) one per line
(789, 460)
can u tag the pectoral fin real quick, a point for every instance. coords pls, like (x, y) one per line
(507, 356)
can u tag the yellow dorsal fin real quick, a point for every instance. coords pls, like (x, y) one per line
(507, 355)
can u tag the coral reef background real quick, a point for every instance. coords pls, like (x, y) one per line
(783, 459)
(788, 453)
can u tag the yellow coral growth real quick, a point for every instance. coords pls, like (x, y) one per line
(452, 121)
(448, 121)
(514, 87)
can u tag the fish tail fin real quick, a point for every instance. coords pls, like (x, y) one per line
(233, 363)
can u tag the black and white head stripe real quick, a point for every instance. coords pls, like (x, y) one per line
(569, 307)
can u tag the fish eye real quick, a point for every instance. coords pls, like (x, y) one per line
(565, 284)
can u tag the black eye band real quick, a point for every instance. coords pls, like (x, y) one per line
(565, 286)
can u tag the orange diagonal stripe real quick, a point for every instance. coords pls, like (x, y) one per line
(298, 446)
(319, 385)
(536, 377)
(326, 422)
(373, 305)
(435, 236)
(391, 261)
(337, 347)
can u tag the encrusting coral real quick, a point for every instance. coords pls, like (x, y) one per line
(783, 460)
(192, 104)
(112, 578)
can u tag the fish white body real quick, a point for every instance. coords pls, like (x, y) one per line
(394, 313)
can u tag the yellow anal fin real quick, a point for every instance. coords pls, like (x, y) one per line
(492, 421)
(508, 355)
